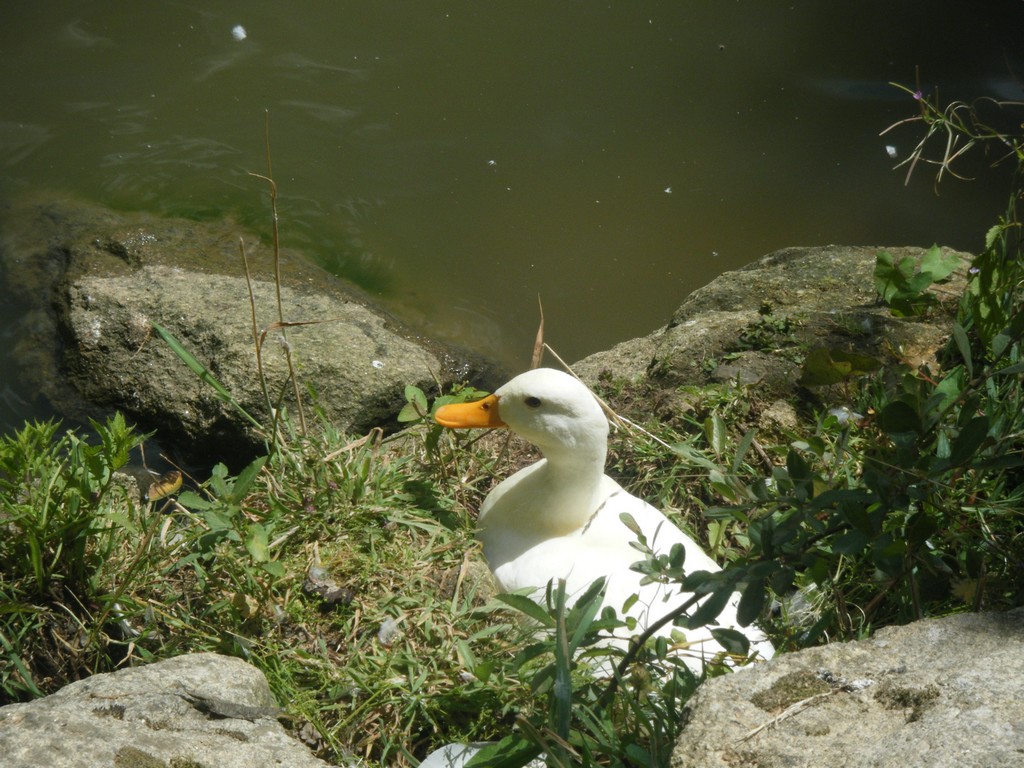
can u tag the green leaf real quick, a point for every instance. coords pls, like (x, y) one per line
(993, 234)
(217, 520)
(741, 449)
(416, 405)
(628, 521)
(969, 440)
(483, 670)
(274, 568)
(888, 279)
(850, 543)
(218, 482)
(949, 389)
(638, 755)
(677, 556)
(243, 483)
(191, 500)
(751, 602)
(903, 287)
(898, 417)
(466, 656)
(733, 641)
(692, 456)
(581, 617)
(415, 395)
(525, 605)
(999, 343)
(797, 466)
(409, 413)
(716, 433)
(561, 691)
(782, 580)
(938, 264)
(915, 287)
(257, 541)
(1010, 369)
(824, 366)
(992, 283)
(16, 661)
(710, 609)
(963, 345)
(513, 751)
(919, 528)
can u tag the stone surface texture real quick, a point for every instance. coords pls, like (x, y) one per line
(938, 693)
(146, 717)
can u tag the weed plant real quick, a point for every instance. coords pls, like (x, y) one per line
(346, 568)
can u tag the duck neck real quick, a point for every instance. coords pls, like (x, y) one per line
(576, 461)
(575, 476)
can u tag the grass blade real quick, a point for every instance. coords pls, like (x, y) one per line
(202, 372)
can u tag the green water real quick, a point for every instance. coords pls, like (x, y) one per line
(460, 159)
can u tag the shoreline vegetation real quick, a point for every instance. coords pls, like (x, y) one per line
(344, 566)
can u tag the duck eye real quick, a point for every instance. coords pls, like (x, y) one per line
(533, 402)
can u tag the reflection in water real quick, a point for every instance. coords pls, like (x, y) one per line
(18, 141)
(76, 33)
(336, 116)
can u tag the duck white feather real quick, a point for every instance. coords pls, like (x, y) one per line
(561, 518)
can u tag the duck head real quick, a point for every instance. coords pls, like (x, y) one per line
(548, 408)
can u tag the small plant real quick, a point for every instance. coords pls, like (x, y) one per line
(65, 524)
(769, 333)
(823, 366)
(417, 410)
(578, 714)
(52, 493)
(913, 509)
(903, 284)
(956, 128)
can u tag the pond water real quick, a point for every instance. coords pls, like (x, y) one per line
(459, 159)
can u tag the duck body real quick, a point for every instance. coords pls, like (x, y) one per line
(523, 557)
(561, 518)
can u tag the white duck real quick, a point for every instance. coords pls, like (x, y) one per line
(560, 517)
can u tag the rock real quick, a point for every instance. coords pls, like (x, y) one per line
(101, 281)
(940, 693)
(197, 711)
(356, 365)
(752, 325)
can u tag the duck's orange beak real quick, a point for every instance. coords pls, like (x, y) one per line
(482, 413)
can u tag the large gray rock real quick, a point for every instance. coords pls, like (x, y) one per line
(196, 711)
(753, 324)
(356, 365)
(92, 283)
(938, 693)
